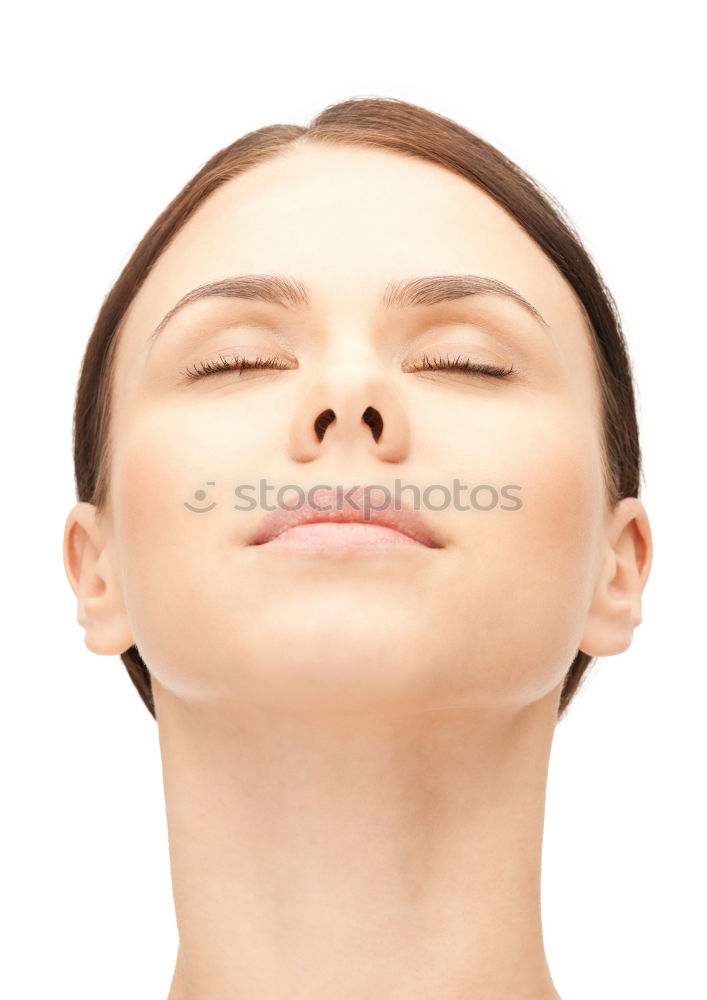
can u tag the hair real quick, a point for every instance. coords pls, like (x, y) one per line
(388, 124)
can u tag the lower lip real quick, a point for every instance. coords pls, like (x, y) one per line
(342, 536)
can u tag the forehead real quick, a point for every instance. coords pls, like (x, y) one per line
(345, 220)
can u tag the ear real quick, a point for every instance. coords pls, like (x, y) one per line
(92, 572)
(615, 610)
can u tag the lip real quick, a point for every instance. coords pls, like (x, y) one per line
(385, 526)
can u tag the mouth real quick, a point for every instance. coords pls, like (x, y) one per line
(362, 523)
(341, 536)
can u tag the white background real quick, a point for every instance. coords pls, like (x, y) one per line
(108, 111)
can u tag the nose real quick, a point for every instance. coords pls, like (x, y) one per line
(353, 406)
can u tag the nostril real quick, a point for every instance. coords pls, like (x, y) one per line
(325, 418)
(372, 417)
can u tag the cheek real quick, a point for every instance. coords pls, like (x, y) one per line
(529, 572)
(172, 456)
(548, 450)
(160, 459)
(168, 552)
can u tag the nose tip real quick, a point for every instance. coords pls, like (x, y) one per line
(352, 407)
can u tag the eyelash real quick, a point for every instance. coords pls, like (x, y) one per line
(462, 364)
(240, 364)
(236, 363)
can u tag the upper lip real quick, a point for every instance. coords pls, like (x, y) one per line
(350, 507)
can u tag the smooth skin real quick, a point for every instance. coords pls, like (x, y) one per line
(355, 747)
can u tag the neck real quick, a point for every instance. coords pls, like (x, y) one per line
(385, 855)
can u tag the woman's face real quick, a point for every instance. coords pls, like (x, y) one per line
(497, 612)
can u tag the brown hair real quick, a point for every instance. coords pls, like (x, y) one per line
(391, 124)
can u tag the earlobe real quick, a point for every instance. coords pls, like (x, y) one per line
(615, 610)
(91, 572)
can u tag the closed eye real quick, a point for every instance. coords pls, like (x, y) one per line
(461, 364)
(236, 363)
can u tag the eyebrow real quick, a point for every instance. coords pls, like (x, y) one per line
(280, 290)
